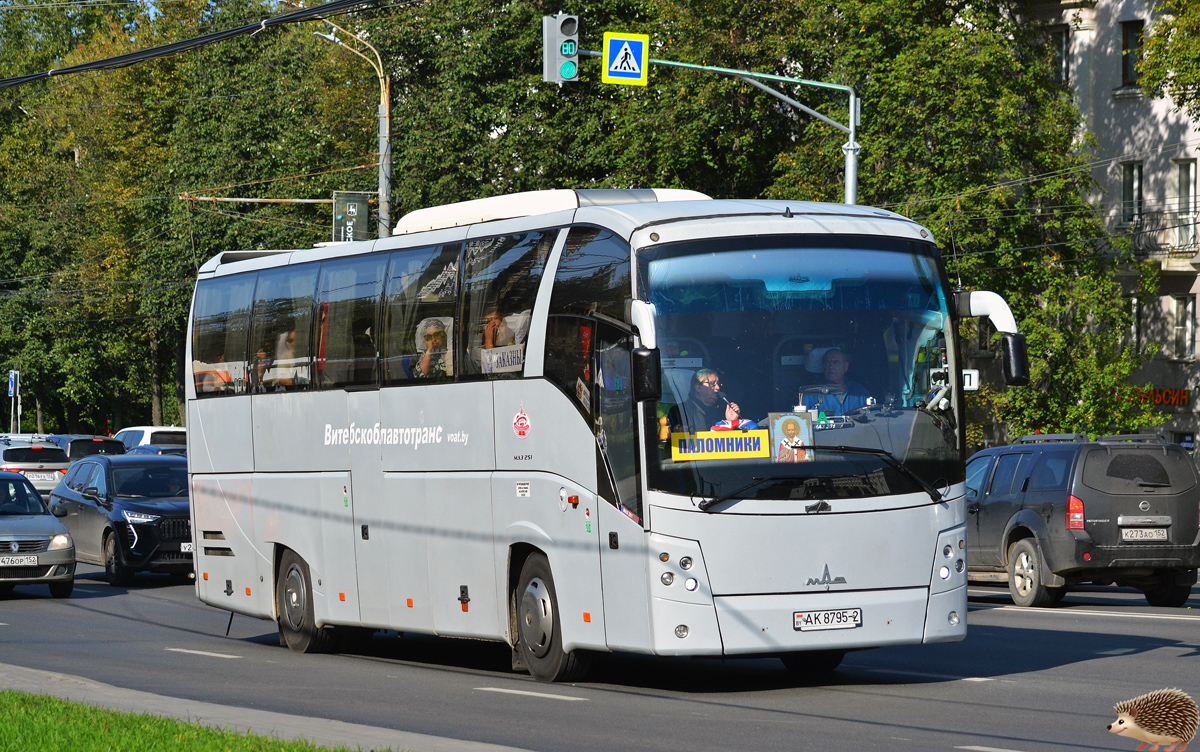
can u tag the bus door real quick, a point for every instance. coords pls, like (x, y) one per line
(368, 501)
(619, 510)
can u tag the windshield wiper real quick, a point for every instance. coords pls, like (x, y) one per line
(707, 504)
(1151, 484)
(904, 469)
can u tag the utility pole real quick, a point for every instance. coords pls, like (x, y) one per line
(385, 123)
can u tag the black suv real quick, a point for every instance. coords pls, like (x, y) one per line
(1058, 510)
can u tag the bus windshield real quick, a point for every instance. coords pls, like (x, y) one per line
(801, 367)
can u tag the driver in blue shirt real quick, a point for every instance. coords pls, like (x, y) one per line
(847, 396)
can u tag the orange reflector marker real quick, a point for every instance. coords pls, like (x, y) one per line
(206, 576)
(341, 596)
(410, 602)
(573, 500)
(247, 591)
(464, 608)
(587, 617)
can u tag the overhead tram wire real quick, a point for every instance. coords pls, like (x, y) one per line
(166, 50)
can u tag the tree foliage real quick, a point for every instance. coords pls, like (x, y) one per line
(1171, 59)
(102, 177)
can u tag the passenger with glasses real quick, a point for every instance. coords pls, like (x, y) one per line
(706, 406)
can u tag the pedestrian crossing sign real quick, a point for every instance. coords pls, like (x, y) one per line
(626, 58)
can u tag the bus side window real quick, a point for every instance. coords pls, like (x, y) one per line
(418, 315)
(501, 276)
(593, 274)
(281, 334)
(346, 329)
(221, 323)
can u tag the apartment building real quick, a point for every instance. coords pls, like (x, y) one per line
(1145, 163)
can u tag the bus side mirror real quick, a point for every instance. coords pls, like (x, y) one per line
(647, 374)
(1016, 359)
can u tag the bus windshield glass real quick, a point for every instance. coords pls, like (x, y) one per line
(801, 367)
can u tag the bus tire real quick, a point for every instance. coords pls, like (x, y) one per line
(539, 635)
(294, 600)
(813, 661)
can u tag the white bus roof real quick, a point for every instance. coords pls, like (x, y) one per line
(625, 212)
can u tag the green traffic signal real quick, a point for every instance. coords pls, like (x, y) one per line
(569, 69)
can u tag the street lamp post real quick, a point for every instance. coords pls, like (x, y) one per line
(385, 123)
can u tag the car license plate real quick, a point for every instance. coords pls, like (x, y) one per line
(187, 548)
(841, 618)
(40, 476)
(18, 561)
(1143, 533)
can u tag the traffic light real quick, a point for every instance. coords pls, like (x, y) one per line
(560, 48)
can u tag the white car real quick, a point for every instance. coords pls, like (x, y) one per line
(141, 435)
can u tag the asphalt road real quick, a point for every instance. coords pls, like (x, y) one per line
(1024, 680)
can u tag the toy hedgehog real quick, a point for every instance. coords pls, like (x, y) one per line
(1166, 716)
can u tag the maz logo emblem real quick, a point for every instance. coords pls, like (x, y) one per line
(826, 579)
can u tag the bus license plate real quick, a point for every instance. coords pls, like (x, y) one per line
(187, 548)
(18, 561)
(841, 618)
(1143, 533)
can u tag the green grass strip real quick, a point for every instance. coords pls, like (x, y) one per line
(32, 723)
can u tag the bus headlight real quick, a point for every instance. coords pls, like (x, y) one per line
(667, 578)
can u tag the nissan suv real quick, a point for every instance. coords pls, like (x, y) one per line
(1058, 510)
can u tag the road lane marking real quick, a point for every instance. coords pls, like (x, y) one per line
(918, 674)
(977, 678)
(1074, 612)
(989, 749)
(1116, 651)
(202, 652)
(530, 694)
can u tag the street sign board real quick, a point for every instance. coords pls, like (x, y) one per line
(626, 58)
(12, 383)
(970, 379)
(351, 215)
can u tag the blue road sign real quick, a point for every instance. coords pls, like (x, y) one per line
(12, 383)
(626, 58)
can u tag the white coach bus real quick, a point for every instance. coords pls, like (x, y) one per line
(590, 421)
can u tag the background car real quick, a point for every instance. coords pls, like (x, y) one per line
(1054, 511)
(42, 465)
(128, 513)
(179, 450)
(78, 445)
(35, 548)
(138, 435)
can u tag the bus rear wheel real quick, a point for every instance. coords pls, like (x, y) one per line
(294, 601)
(539, 636)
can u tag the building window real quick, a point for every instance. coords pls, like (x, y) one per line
(1185, 221)
(1131, 192)
(1185, 326)
(1131, 51)
(1060, 44)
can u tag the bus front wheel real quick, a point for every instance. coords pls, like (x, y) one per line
(539, 635)
(294, 600)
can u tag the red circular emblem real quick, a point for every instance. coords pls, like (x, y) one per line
(521, 424)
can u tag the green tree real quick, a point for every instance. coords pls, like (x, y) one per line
(1171, 57)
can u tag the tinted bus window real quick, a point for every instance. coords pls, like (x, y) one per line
(281, 335)
(500, 283)
(346, 328)
(568, 359)
(593, 274)
(420, 304)
(221, 321)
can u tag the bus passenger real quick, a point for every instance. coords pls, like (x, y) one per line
(847, 396)
(495, 331)
(705, 406)
(433, 363)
